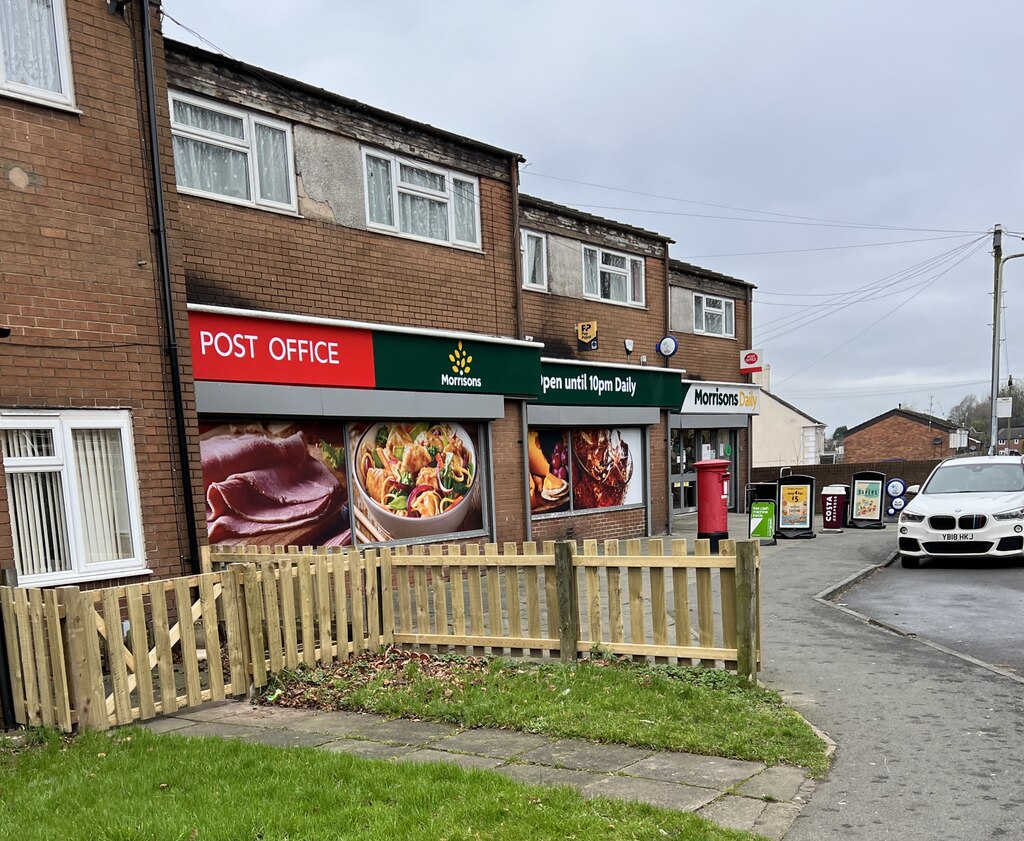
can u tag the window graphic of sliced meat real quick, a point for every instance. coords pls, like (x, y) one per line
(257, 485)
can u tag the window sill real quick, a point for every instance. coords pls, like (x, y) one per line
(199, 194)
(470, 249)
(714, 336)
(67, 107)
(598, 300)
(71, 578)
(527, 288)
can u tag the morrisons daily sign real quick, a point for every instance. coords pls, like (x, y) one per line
(720, 399)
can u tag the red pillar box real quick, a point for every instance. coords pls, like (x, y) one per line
(712, 500)
(833, 507)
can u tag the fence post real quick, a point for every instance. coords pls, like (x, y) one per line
(84, 656)
(746, 611)
(568, 603)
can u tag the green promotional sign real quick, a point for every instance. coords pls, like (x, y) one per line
(602, 385)
(407, 362)
(762, 520)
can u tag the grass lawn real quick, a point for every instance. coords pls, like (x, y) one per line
(669, 707)
(132, 784)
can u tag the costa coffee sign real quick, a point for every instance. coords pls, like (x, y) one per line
(239, 349)
(751, 361)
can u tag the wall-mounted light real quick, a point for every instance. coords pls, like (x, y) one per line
(629, 345)
(5, 332)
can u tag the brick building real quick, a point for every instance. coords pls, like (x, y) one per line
(899, 434)
(320, 323)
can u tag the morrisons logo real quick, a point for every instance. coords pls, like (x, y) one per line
(715, 398)
(460, 361)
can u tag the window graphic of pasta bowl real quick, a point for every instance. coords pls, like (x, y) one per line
(417, 479)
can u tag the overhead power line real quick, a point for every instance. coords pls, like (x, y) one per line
(824, 248)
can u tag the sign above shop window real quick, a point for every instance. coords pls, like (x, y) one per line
(568, 384)
(232, 347)
(751, 361)
(720, 399)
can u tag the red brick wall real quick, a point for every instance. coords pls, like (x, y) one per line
(509, 475)
(896, 437)
(597, 525)
(78, 269)
(240, 256)
(911, 472)
(715, 357)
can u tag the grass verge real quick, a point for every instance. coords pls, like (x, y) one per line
(132, 784)
(667, 707)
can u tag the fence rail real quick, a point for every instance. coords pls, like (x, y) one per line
(97, 658)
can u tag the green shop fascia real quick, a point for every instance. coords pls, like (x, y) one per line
(588, 437)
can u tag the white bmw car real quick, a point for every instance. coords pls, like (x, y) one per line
(969, 507)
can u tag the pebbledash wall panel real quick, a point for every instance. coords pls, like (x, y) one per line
(81, 293)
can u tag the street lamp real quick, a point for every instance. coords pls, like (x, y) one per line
(996, 331)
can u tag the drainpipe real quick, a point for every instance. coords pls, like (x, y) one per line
(517, 255)
(164, 267)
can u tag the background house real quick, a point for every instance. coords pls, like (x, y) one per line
(899, 434)
(784, 436)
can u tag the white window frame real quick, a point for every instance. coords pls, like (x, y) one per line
(41, 95)
(447, 196)
(630, 260)
(61, 424)
(524, 235)
(246, 145)
(722, 305)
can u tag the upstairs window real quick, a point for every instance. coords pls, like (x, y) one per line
(72, 495)
(614, 277)
(227, 153)
(421, 201)
(34, 59)
(714, 316)
(535, 260)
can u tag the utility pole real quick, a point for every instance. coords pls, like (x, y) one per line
(997, 301)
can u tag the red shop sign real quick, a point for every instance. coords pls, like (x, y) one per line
(240, 349)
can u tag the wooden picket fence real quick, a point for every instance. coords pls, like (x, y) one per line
(97, 658)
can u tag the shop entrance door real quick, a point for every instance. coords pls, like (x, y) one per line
(682, 476)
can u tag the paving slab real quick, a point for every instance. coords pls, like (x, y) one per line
(367, 750)
(781, 783)
(693, 769)
(266, 716)
(545, 775)
(683, 798)
(210, 712)
(166, 724)
(338, 723)
(585, 756)
(734, 812)
(500, 743)
(404, 731)
(291, 738)
(776, 820)
(278, 737)
(220, 730)
(463, 760)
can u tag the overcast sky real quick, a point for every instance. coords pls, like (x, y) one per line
(901, 117)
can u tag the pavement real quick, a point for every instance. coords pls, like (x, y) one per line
(735, 794)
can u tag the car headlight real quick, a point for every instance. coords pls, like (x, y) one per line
(911, 517)
(1015, 514)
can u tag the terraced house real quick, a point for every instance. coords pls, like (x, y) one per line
(246, 310)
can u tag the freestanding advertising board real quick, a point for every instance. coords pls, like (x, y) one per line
(795, 508)
(866, 496)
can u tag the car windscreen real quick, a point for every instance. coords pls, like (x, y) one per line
(976, 478)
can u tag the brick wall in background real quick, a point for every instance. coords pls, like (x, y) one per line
(897, 437)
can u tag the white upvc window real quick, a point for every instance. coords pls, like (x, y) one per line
(534, 249)
(421, 201)
(227, 153)
(714, 316)
(72, 495)
(35, 61)
(611, 276)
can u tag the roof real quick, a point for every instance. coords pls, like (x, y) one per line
(172, 46)
(690, 268)
(792, 408)
(918, 417)
(544, 204)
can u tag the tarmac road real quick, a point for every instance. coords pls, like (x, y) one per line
(930, 746)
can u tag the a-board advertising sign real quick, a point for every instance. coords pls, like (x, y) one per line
(866, 497)
(795, 507)
(762, 520)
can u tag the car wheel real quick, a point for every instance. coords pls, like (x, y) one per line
(908, 562)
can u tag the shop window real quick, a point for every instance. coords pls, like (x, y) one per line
(230, 154)
(34, 47)
(421, 201)
(585, 469)
(72, 495)
(714, 316)
(534, 250)
(610, 276)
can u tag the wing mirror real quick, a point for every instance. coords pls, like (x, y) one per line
(914, 489)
